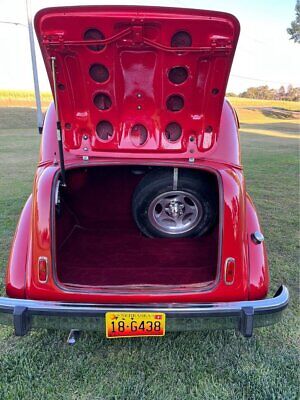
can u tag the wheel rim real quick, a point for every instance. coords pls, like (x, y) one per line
(175, 212)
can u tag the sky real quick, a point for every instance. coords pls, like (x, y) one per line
(265, 55)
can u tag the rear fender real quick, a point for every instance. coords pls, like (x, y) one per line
(258, 265)
(16, 268)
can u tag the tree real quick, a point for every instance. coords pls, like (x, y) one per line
(293, 94)
(281, 93)
(294, 30)
(231, 94)
(260, 92)
(266, 93)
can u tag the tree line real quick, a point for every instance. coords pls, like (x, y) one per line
(266, 93)
(294, 29)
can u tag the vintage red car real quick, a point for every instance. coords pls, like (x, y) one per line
(139, 222)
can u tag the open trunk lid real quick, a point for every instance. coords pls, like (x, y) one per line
(138, 81)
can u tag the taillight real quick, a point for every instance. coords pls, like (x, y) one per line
(43, 269)
(229, 271)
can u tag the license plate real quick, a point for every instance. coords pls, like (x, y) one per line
(131, 324)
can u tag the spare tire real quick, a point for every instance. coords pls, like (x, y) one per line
(188, 211)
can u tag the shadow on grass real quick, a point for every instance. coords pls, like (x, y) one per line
(280, 127)
(275, 112)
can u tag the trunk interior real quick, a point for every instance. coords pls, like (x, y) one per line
(98, 243)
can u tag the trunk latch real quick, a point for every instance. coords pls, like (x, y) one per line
(137, 34)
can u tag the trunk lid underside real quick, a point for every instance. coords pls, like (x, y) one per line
(137, 79)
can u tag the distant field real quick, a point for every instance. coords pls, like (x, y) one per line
(22, 98)
(15, 98)
(243, 102)
(188, 366)
(268, 117)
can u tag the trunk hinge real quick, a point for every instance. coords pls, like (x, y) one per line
(55, 39)
(58, 126)
(221, 44)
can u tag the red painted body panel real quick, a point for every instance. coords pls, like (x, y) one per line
(234, 244)
(238, 218)
(16, 268)
(258, 264)
(136, 77)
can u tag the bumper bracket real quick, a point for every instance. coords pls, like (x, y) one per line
(246, 324)
(21, 320)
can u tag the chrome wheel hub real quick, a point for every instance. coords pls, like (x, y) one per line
(175, 209)
(175, 212)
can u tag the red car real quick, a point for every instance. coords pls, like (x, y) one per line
(139, 222)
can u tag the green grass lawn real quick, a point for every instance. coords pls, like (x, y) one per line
(201, 365)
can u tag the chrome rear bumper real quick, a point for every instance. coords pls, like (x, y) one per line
(241, 315)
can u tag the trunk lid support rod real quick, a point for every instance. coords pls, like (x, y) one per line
(58, 126)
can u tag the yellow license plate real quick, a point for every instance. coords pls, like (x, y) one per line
(131, 324)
